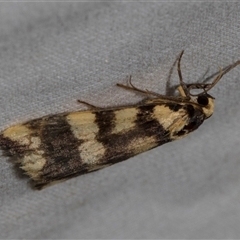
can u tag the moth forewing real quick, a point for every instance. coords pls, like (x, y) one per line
(61, 146)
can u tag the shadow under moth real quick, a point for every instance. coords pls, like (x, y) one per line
(57, 147)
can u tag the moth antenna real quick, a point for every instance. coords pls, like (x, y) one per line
(130, 86)
(88, 104)
(182, 83)
(205, 87)
(221, 73)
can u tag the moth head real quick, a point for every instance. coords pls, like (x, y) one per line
(198, 108)
(203, 99)
(206, 102)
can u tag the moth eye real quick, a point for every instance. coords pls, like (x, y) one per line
(202, 100)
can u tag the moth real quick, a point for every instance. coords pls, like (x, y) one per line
(57, 147)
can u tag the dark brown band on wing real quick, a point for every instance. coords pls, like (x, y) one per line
(105, 121)
(60, 148)
(12, 148)
(150, 126)
(116, 145)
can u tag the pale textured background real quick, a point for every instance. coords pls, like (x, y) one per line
(54, 53)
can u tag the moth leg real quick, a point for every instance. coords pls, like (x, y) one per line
(130, 86)
(88, 104)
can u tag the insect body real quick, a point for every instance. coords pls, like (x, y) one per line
(58, 147)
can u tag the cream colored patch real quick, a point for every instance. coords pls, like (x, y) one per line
(173, 121)
(83, 125)
(141, 144)
(84, 128)
(167, 117)
(35, 143)
(18, 133)
(125, 119)
(33, 164)
(91, 152)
